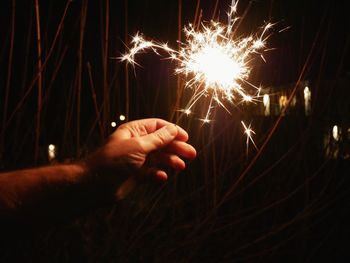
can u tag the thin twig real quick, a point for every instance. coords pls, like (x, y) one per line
(80, 69)
(8, 81)
(40, 82)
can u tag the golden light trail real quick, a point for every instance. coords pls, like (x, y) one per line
(214, 62)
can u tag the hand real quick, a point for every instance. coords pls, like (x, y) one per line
(144, 147)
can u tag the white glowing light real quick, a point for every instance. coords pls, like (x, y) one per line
(249, 132)
(51, 152)
(51, 147)
(266, 101)
(122, 117)
(187, 112)
(335, 133)
(307, 100)
(283, 101)
(113, 124)
(214, 61)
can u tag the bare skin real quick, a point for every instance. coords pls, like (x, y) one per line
(139, 149)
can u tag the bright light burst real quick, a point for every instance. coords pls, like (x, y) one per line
(214, 62)
(249, 133)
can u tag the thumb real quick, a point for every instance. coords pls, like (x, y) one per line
(159, 138)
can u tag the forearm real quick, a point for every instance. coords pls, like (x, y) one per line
(50, 192)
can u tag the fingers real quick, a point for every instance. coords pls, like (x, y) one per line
(155, 173)
(160, 138)
(159, 123)
(169, 160)
(171, 156)
(147, 126)
(182, 135)
(159, 143)
(182, 149)
(161, 175)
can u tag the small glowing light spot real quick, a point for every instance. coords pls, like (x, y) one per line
(188, 112)
(113, 124)
(258, 44)
(335, 132)
(51, 147)
(248, 131)
(307, 99)
(247, 98)
(206, 120)
(51, 152)
(283, 101)
(266, 101)
(122, 117)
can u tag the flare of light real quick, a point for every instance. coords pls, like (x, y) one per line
(307, 100)
(122, 117)
(51, 152)
(214, 62)
(113, 124)
(249, 133)
(335, 133)
(266, 101)
(283, 102)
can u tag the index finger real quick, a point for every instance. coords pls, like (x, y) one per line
(182, 135)
(152, 124)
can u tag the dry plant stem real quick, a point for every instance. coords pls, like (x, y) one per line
(197, 13)
(68, 115)
(79, 75)
(18, 133)
(8, 81)
(30, 87)
(105, 68)
(97, 112)
(40, 82)
(199, 20)
(126, 40)
(178, 84)
(54, 74)
(215, 9)
(179, 89)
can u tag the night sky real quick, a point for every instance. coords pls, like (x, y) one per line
(292, 204)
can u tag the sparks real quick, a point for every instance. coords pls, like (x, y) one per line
(213, 61)
(248, 131)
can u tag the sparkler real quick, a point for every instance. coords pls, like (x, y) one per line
(214, 62)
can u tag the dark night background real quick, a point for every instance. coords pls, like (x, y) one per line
(288, 204)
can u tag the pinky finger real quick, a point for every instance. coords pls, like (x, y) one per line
(161, 175)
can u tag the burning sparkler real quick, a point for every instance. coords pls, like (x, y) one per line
(214, 62)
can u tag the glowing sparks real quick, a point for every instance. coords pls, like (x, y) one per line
(249, 133)
(213, 61)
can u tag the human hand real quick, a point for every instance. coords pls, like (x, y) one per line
(144, 147)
